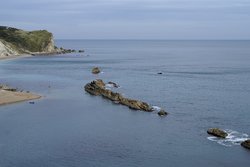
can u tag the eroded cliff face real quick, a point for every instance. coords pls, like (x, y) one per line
(15, 42)
(7, 50)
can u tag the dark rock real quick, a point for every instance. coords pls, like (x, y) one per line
(113, 84)
(7, 88)
(159, 73)
(80, 51)
(246, 144)
(217, 132)
(31, 102)
(162, 113)
(96, 70)
(97, 88)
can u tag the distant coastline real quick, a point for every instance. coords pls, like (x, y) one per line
(19, 43)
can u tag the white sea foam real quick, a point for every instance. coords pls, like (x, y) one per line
(156, 108)
(233, 138)
(109, 85)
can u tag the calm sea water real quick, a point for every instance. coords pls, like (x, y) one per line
(204, 84)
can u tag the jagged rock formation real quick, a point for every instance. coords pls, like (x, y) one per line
(217, 132)
(246, 144)
(15, 42)
(97, 87)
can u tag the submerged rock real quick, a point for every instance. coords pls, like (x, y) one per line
(162, 113)
(113, 84)
(246, 144)
(217, 132)
(159, 73)
(96, 70)
(97, 87)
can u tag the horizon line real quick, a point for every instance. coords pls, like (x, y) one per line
(153, 39)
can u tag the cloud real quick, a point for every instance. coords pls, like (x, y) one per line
(114, 15)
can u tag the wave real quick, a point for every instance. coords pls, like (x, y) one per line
(233, 138)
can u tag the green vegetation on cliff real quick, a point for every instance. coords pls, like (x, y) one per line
(27, 41)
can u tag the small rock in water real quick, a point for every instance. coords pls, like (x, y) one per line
(217, 132)
(113, 84)
(96, 70)
(32, 102)
(246, 144)
(159, 73)
(162, 113)
(80, 51)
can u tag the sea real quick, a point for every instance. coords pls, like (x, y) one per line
(203, 84)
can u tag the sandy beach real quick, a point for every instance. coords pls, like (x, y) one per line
(7, 97)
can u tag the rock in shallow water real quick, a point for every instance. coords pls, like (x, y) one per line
(97, 87)
(217, 132)
(162, 113)
(246, 144)
(115, 85)
(96, 70)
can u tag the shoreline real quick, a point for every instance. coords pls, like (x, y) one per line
(9, 97)
(37, 54)
(14, 57)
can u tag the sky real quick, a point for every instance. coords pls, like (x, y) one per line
(131, 19)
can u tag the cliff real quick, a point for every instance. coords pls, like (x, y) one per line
(16, 42)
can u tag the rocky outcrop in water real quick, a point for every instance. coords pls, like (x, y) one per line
(217, 132)
(162, 113)
(97, 87)
(96, 70)
(246, 144)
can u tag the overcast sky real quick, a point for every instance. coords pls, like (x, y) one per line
(131, 19)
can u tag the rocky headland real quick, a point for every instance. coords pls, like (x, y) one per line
(15, 42)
